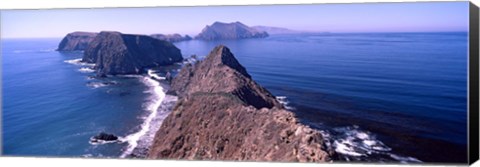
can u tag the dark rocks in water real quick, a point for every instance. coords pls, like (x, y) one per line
(76, 41)
(222, 114)
(235, 30)
(171, 37)
(103, 138)
(115, 53)
(168, 77)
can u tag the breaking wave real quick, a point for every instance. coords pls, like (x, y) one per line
(284, 101)
(352, 143)
(154, 75)
(159, 106)
(78, 62)
(86, 70)
(95, 85)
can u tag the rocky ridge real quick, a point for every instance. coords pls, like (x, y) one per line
(222, 114)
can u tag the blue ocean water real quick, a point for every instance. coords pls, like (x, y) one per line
(52, 107)
(376, 96)
(408, 89)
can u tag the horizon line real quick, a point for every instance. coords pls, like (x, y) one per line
(298, 32)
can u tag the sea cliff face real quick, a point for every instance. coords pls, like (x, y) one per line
(171, 37)
(222, 114)
(76, 41)
(116, 53)
(236, 30)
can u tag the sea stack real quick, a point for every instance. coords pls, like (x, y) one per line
(76, 41)
(235, 30)
(222, 114)
(115, 53)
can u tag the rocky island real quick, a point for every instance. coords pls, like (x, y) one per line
(76, 41)
(115, 53)
(171, 37)
(223, 114)
(276, 30)
(235, 30)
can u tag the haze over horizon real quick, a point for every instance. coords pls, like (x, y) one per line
(335, 18)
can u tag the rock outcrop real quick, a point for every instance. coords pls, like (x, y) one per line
(103, 137)
(76, 41)
(115, 53)
(171, 37)
(222, 114)
(235, 30)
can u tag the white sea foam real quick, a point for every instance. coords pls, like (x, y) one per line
(100, 142)
(284, 101)
(144, 136)
(78, 62)
(354, 143)
(86, 70)
(154, 75)
(95, 85)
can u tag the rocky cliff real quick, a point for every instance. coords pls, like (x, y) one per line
(222, 114)
(171, 37)
(76, 41)
(235, 30)
(115, 53)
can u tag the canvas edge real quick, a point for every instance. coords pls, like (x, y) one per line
(473, 100)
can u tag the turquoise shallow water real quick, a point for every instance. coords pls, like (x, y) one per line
(377, 96)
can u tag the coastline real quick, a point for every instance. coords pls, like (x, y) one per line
(351, 136)
(158, 106)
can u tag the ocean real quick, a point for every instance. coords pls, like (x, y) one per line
(389, 97)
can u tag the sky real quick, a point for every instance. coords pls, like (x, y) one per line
(335, 18)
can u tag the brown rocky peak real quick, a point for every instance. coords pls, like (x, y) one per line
(221, 55)
(220, 72)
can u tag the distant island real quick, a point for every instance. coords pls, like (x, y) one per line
(172, 37)
(235, 30)
(79, 41)
(276, 30)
